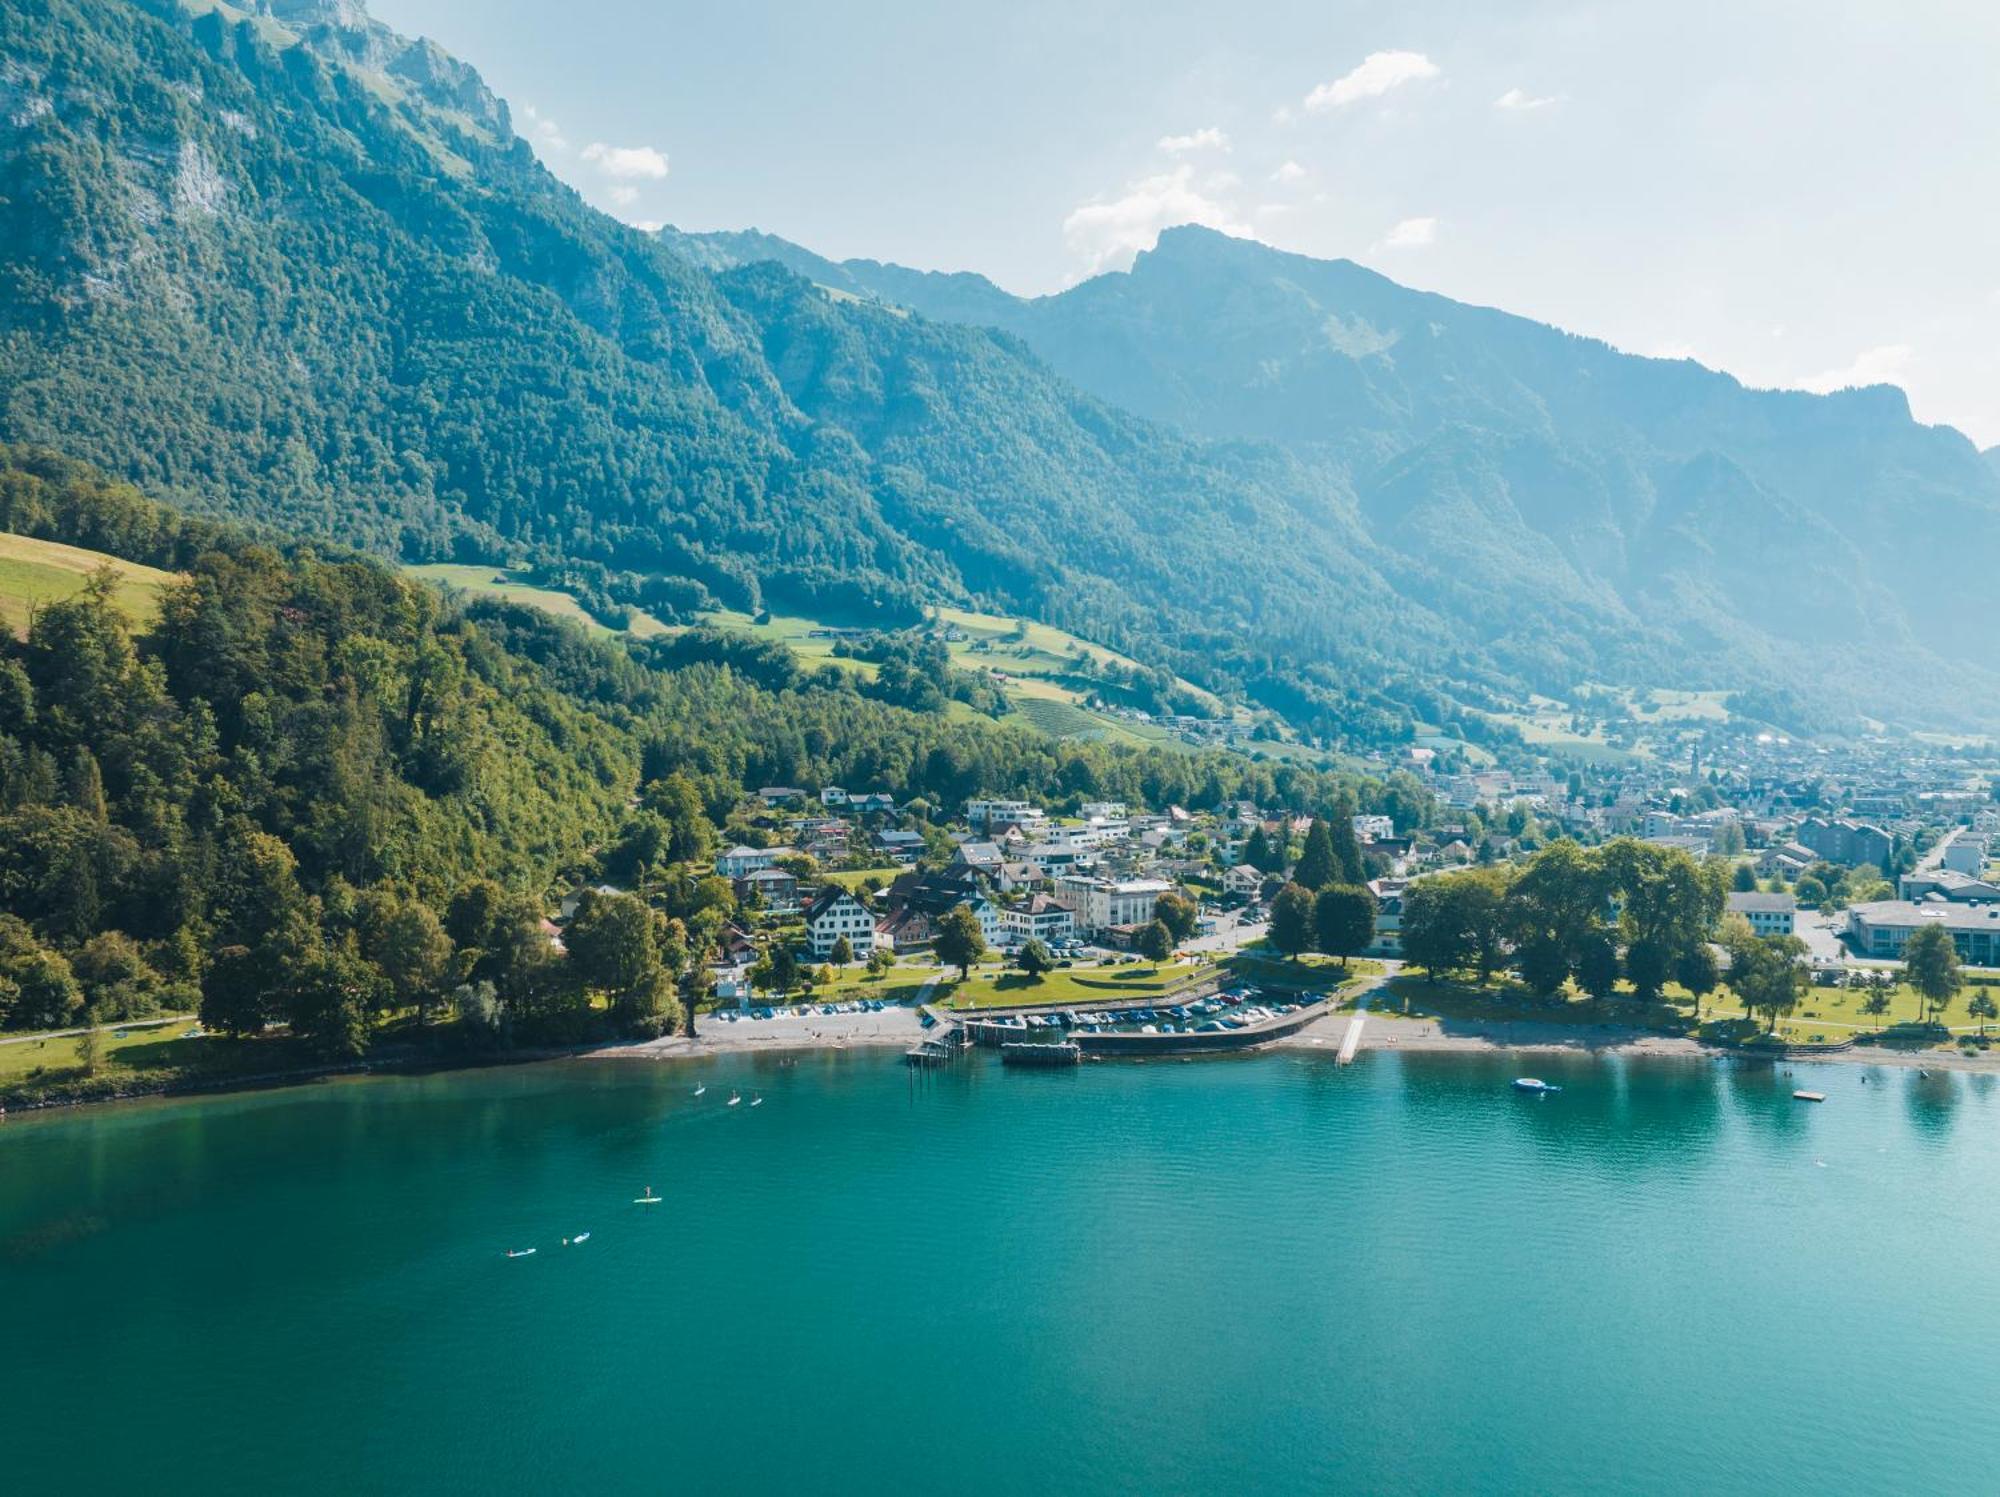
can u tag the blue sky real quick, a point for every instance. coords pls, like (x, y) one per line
(1801, 193)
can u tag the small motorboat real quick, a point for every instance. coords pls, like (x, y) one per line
(520, 1252)
(579, 1238)
(1536, 1085)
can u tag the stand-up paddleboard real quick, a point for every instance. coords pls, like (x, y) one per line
(648, 1199)
(520, 1252)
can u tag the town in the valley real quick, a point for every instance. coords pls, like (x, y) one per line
(1843, 853)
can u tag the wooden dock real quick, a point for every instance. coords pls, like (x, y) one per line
(939, 1049)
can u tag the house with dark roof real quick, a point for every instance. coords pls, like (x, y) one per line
(835, 915)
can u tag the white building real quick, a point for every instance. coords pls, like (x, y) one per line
(1243, 879)
(992, 919)
(986, 814)
(1966, 854)
(1768, 914)
(1374, 828)
(1103, 810)
(739, 861)
(835, 913)
(1040, 919)
(1100, 904)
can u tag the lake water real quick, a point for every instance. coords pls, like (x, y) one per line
(1263, 1274)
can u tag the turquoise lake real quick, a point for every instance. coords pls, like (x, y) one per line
(1265, 1274)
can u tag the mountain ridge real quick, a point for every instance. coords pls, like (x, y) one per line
(288, 266)
(1577, 463)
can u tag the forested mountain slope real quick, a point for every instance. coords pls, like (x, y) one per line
(1492, 456)
(307, 788)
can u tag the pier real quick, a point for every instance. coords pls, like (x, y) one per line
(1047, 1057)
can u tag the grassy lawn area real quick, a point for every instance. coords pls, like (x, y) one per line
(34, 572)
(1313, 972)
(1829, 1014)
(143, 1057)
(1512, 1003)
(852, 878)
(497, 582)
(998, 987)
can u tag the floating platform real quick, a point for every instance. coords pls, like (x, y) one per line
(1808, 1096)
(1068, 1053)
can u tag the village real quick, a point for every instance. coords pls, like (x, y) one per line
(1851, 850)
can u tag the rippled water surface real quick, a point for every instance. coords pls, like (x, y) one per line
(1263, 1274)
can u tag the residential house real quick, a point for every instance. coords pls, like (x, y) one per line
(740, 861)
(904, 929)
(774, 888)
(1786, 861)
(1040, 918)
(898, 846)
(835, 914)
(1243, 880)
(983, 858)
(1388, 894)
(774, 796)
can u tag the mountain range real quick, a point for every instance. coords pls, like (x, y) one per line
(281, 263)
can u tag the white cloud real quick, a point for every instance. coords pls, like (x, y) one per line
(543, 133)
(1208, 138)
(1876, 366)
(624, 197)
(1107, 233)
(1519, 101)
(1291, 171)
(1411, 233)
(626, 161)
(1379, 72)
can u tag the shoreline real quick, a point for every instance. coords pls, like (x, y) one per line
(899, 1028)
(1394, 1032)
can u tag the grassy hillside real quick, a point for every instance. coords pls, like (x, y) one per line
(35, 572)
(495, 582)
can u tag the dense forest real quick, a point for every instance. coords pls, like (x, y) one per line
(315, 793)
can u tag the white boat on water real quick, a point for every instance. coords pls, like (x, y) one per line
(1534, 1084)
(734, 1098)
(520, 1252)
